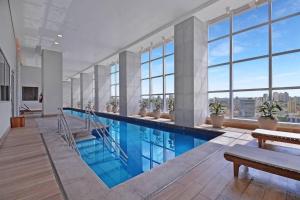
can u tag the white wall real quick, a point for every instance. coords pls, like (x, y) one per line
(66, 93)
(8, 46)
(31, 77)
(51, 82)
(86, 89)
(76, 92)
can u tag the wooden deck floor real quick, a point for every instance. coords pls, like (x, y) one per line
(25, 169)
(213, 179)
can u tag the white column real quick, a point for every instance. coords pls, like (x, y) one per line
(67, 94)
(75, 83)
(102, 86)
(191, 105)
(86, 89)
(51, 81)
(130, 83)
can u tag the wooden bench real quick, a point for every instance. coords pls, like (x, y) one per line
(269, 161)
(262, 135)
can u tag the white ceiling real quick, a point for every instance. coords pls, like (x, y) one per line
(95, 29)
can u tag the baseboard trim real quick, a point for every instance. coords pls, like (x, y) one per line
(4, 136)
(49, 115)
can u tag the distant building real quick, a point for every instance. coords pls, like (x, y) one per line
(247, 107)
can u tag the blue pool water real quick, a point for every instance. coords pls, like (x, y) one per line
(145, 147)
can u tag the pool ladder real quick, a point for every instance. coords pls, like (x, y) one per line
(65, 131)
(108, 140)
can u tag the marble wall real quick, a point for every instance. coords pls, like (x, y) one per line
(191, 72)
(130, 83)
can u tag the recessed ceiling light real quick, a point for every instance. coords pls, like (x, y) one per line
(59, 35)
(56, 42)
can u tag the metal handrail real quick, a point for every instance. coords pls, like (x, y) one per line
(63, 124)
(106, 134)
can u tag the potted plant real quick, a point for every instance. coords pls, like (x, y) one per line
(216, 114)
(268, 119)
(144, 103)
(171, 107)
(108, 106)
(156, 103)
(115, 106)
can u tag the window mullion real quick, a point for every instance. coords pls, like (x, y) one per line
(231, 69)
(270, 51)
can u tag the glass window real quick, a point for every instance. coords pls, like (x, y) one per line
(4, 79)
(245, 104)
(285, 35)
(169, 48)
(113, 69)
(145, 70)
(113, 78)
(218, 52)
(145, 57)
(157, 75)
(251, 43)
(117, 78)
(251, 74)
(2, 71)
(218, 29)
(281, 8)
(250, 18)
(289, 100)
(113, 90)
(145, 86)
(157, 85)
(218, 78)
(169, 64)
(223, 98)
(170, 84)
(117, 90)
(286, 70)
(157, 52)
(157, 67)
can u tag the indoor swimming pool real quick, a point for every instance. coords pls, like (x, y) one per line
(145, 147)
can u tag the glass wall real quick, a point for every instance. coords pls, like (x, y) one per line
(157, 72)
(253, 56)
(114, 81)
(4, 78)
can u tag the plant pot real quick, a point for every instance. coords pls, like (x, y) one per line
(172, 115)
(143, 112)
(108, 108)
(115, 109)
(217, 121)
(156, 114)
(17, 121)
(267, 123)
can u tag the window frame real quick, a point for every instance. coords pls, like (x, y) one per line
(116, 85)
(6, 79)
(163, 76)
(269, 56)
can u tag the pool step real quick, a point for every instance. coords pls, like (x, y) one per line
(91, 148)
(88, 143)
(98, 159)
(109, 167)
